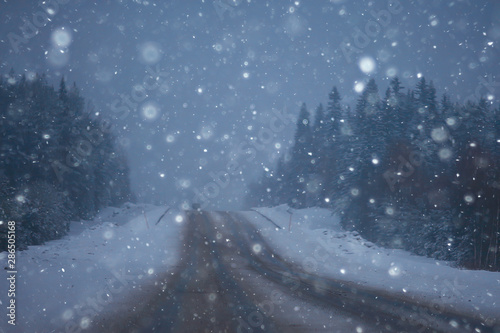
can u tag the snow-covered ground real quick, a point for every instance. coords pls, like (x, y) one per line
(63, 285)
(104, 263)
(314, 240)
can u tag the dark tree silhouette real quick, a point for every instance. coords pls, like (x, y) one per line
(404, 170)
(58, 161)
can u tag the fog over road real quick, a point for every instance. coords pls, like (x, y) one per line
(229, 280)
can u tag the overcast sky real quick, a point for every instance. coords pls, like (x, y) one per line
(192, 85)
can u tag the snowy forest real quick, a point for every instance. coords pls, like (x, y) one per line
(406, 169)
(59, 160)
(250, 166)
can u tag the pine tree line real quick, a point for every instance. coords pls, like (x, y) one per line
(58, 160)
(404, 170)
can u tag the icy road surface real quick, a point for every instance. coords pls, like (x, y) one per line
(229, 279)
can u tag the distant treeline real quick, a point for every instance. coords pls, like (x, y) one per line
(405, 170)
(58, 160)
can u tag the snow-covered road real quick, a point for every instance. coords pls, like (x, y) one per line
(142, 268)
(230, 279)
(221, 287)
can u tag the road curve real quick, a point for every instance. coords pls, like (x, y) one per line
(230, 280)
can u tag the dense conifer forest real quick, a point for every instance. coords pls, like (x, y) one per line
(58, 159)
(403, 168)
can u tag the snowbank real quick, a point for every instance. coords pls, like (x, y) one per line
(317, 243)
(64, 284)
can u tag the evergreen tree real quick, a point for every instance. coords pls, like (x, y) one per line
(431, 98)
(318, 137)
(280, 176)
(300, 164)
(395, 115)
(422, 92)
(369, 149)
(53, 164)
(404, 171)
(333, 142)
(319, 161)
